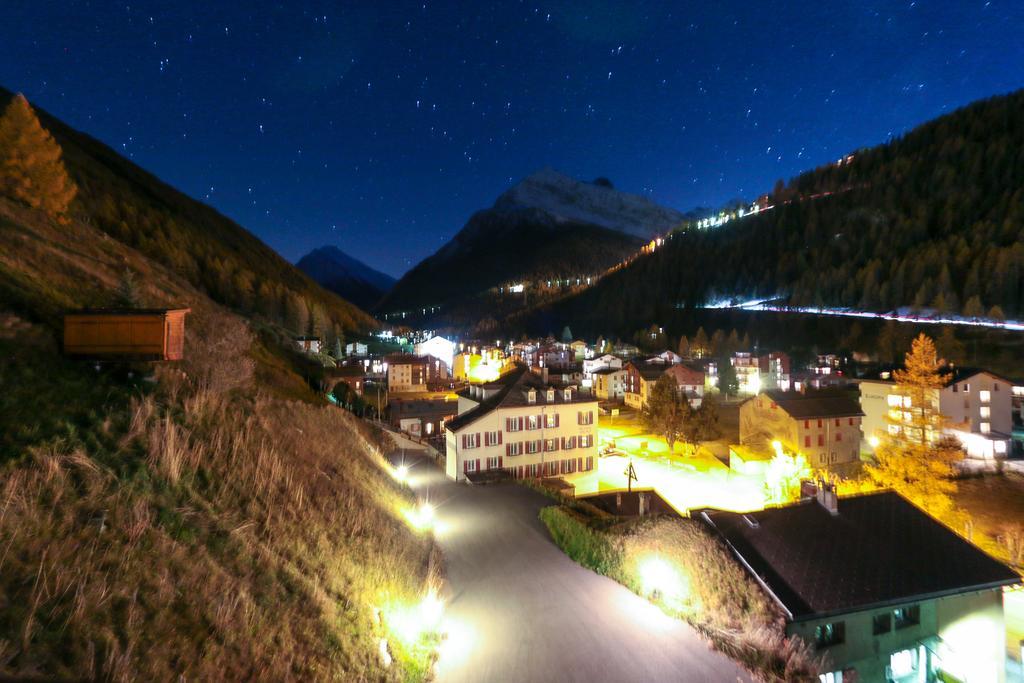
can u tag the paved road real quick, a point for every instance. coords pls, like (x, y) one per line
(520, 610)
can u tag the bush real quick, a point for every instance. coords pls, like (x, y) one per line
(590, 548)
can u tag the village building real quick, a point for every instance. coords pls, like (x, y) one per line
(823, 425)
(410, 373)
(307, 344)
(521, 426)
(884, 590)
(978, 406)
(422, 416)
(641, 377)
(439, 347)
(609, 383)
(145, 334)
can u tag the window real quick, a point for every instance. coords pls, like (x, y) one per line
(586, 441)
(550, 445)
(469, 466)
(533, 422)
(586, 417)
(807, 424)
(493, 463)
(907, 616)
(568, 443)
(551, 396)
(894, 400)
(531, 396)
(567, 394)
(514, 448)
(986, 428)
(985, 396)
(837, 422)
(821, 439)
(471, 440)
(903, 663)
(839, 436)
(492, 438)
(986, 412)
(882, 623)
(827, 635)
(533, 446)
(819, 424)
(513, 424)
(552, 420)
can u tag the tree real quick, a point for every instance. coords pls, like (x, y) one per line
(728, 382)
(31, 169)
(916, 457)
(666, 411)
(338, 352)
(949, 347)
(700, 343)
(566, 334)
(127, 293)
(298, 314)
(701, 424)
(684, 347)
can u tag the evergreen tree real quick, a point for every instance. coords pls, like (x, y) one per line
(127, 294)
(700, 343)
(728, 382)
(31, 169)
(916, 457)
(684, 347)
(566, 334)
(338, 352)
(298, 314)
(701, 425)
(666, 412)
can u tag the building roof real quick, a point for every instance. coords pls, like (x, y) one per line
(406, 359)
(510, 391)
(801, 405)
(878, 550)
(128, 311)
(607, 371)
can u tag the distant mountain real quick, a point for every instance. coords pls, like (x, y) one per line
(933, 219)
(346, 276)
(547, 227)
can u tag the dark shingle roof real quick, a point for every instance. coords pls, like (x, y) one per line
(511, 392)
(879, 550)
(817, 403)
(607, 371)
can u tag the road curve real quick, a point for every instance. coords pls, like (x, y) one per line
(518, 609)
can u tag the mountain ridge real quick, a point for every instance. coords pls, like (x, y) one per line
(345, 275)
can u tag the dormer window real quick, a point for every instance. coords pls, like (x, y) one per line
(531, 396)
(551, 396)
(567, 394)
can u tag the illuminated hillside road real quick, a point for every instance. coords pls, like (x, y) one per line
(520, 610)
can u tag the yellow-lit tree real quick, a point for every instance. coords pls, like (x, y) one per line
(915, 457)
(31, 169)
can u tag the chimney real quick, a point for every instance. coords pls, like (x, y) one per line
(827, 497)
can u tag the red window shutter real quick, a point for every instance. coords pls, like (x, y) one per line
(581, 464)
(821, 439)
(520, 423)
(807, 424)
(499, 462)
(557, 416)
(837, 422)
(508, 449)
(464, 440)
(563, 443)
(807, 442)
(478, 464)
(465, 465)
(839, 436)
(508, 424)
(499, 438)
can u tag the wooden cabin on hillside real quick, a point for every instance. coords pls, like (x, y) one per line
(145, 334)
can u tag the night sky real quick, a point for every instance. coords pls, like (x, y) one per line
(381, 126)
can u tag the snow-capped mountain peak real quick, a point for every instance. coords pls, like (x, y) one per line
(597, 203)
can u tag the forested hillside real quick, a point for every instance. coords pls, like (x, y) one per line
(209, 250)
(933, 219)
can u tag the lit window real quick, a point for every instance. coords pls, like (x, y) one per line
(907, 616)
(903, 663)
(986, 412)
(986, 428)
(985, 396)
(826, 635)
(894, 399)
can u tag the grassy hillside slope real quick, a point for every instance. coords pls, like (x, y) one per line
(208, 519)
(934, 219)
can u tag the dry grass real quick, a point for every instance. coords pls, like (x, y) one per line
(720, 600)
(224, 535)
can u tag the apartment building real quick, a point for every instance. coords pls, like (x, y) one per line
(824, 425)
(641, 377)
(523, 426)
(609, 383)
(411, 373)
(978, 406)
(886, 591)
